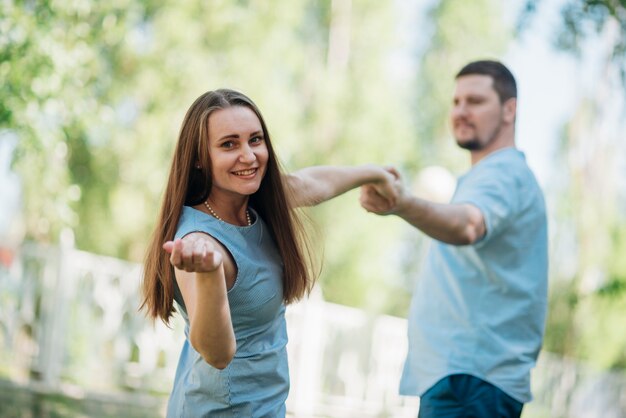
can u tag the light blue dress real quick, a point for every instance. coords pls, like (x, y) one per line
(256, 382)
(480, 309)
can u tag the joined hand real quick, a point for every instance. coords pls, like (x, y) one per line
(382, 198)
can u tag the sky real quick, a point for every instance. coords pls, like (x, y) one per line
(551, 86)
(548, 89)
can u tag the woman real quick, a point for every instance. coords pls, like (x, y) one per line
(238, 256)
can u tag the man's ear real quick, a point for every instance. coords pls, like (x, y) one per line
(509, 109)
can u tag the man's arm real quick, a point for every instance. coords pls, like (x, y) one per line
(458, 224)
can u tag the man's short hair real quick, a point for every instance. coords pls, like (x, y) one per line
(503, 80)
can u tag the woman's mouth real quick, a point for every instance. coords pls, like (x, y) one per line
(245, 173)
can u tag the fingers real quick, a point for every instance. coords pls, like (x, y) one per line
(392, 170)
(193, 255)
(168, 246)
(388, 185)
(175, 251)
(376, 207)
(384, 196)
(212, 260)
(372, 201)
(388, 191)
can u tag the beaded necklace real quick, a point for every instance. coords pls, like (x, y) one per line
(212, 212)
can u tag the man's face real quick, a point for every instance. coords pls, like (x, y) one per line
(477, 114)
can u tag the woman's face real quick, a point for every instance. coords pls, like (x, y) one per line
(237, 150)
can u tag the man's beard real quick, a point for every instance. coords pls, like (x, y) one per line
(475, 144)
(471, 145)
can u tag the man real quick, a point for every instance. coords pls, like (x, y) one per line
(477, 316)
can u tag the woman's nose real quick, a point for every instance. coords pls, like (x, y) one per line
(247, 155)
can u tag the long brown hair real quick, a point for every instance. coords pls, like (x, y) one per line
(189, 185)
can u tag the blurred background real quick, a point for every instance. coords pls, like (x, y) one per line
(92, 95)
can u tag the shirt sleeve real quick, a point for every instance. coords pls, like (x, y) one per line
(495, 192)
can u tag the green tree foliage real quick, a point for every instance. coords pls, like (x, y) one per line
(584, 18)
(60, 65)
(588, 292)
(96, 93)
(461, 32)
(588, 295)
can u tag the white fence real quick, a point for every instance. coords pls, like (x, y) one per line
(69, 320)
(345, 363)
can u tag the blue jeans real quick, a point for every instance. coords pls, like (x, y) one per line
(466, 396)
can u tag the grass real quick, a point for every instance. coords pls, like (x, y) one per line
(27, 402)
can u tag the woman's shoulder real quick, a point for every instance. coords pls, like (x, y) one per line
(193, 220)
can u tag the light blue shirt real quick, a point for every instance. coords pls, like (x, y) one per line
(256, 382)
(480, 309)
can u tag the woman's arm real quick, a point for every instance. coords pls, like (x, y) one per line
(199, 268)
(314, 185)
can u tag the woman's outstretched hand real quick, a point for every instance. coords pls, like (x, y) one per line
(194, 253)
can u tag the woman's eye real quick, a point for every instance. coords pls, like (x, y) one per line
(256, 140)
(227, 144)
